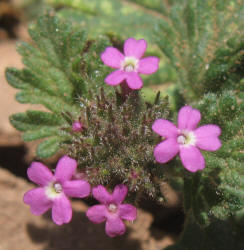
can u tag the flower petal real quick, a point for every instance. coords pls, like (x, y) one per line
(148, 65)
(76, 188)
(165, 128)
(192, 158)
(114, 226)
(166, 150)
(39, 174)
(66, 167)
(188, 118)
(112, 57)
(38, 201)
(101, 194)
(61, 211)
(134, 81)
(136, 48)
(115, 78)
(97, 213)
(127, 212)
(207, 137)
(119, 193)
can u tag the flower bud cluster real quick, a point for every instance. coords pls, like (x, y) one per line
(117, 142)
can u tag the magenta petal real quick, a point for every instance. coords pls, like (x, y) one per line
(166, 150)
(114, 226)
(97, 213)
(119, 193)
(115, 78)
(101, 194)
(165, 128)
(112, 57)
(148, 65)
(65, 168)
(136, 48)
(134, 81)
(38, 201)
(188, 118)
(192, 158)
(61, 211)
(39, 174)
(127, 212)
(76, 188)
(207, 137)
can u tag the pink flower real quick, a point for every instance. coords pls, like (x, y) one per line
(111, 209)
(129, 65)
(187, 139)
(54, 189)
(77, 126)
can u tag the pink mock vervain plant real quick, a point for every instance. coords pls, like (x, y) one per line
(130, 64)
(186, 139)
(117, 140)
(55, 189)
(111, 210)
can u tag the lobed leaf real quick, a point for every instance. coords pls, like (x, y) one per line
(61, 65)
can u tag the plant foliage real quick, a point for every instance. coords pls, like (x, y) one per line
(202, 51)
(60, 66)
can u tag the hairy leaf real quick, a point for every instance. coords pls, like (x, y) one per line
(61, 65)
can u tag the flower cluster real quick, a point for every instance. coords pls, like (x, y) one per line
(185, 139)
(54, 190)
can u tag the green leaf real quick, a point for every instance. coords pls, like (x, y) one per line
(190, 21)
(123, 19)
(220, 235)
(204, 44)
(34, 118)
(40, 133)
(44, 118)
(61, 65)
(48, 147)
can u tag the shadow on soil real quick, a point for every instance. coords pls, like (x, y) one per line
(167, 219)
(12, 158)
(80, 234)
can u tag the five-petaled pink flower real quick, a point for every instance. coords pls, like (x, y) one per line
(187, 139)
(129, 65)
(54, 189)
(111, 209)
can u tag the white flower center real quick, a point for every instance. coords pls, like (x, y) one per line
(54, 190)
(129, 64)
(129, 68)
(186, 138)
(181, 139)
(58, 187)
(112, 208)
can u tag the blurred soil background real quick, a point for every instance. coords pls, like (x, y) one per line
(155, 228)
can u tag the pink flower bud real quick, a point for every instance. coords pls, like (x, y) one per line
(77, 126)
